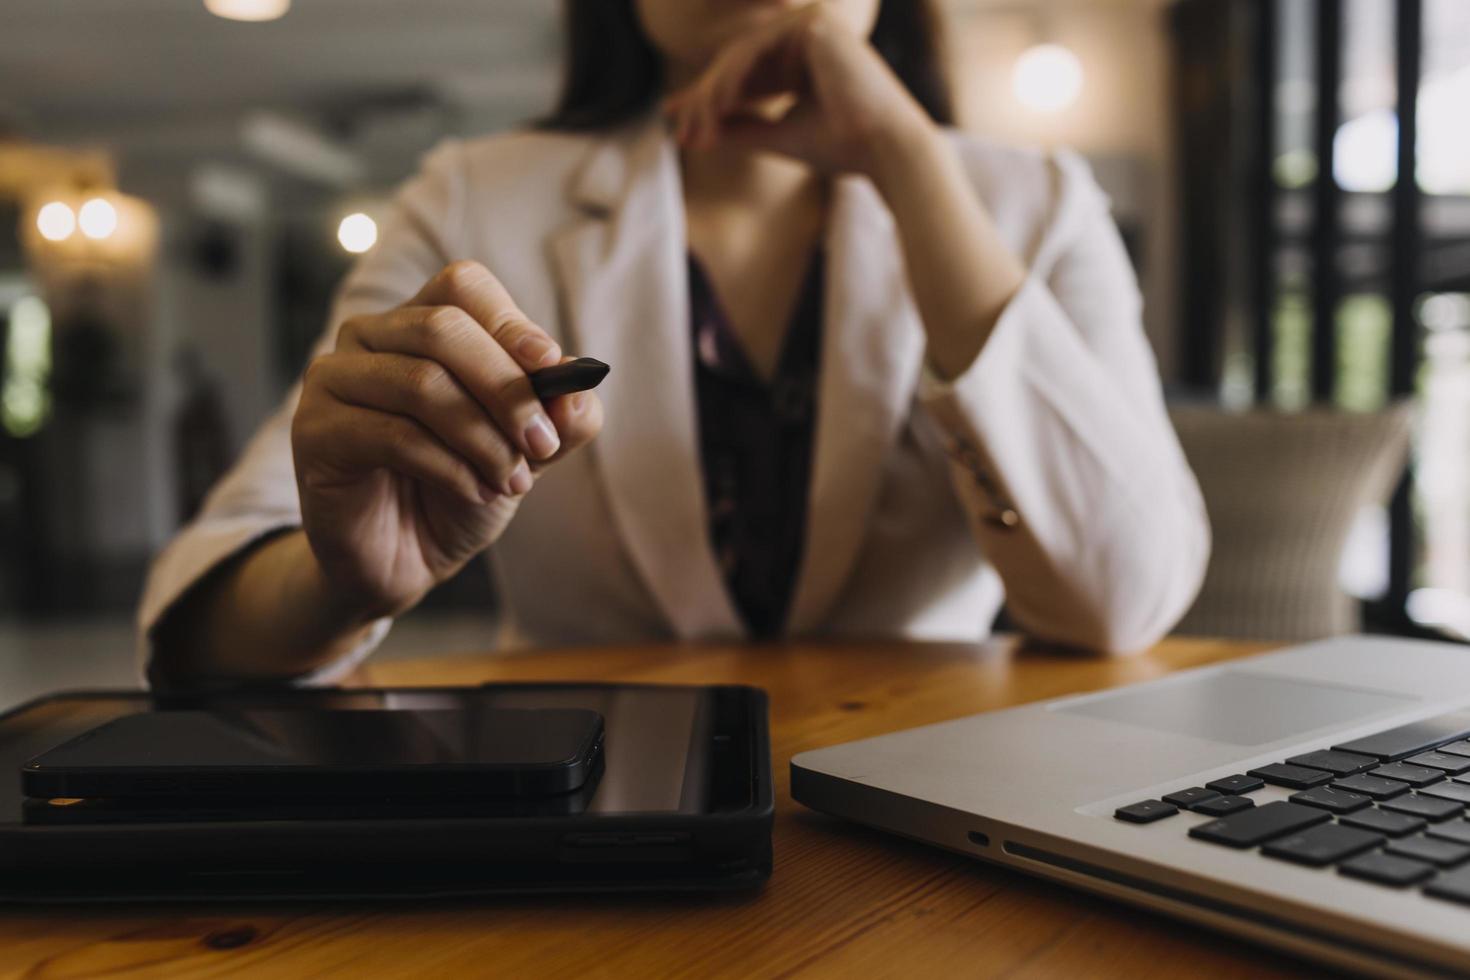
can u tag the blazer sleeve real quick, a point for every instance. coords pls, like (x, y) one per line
(1063, 455)
(257, 498)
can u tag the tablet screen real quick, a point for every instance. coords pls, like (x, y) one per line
(661, 749)
(654, 750)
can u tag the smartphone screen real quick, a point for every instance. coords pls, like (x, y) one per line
(323, 751)
(331, 739)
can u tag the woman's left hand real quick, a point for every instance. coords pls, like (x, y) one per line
(841, 100)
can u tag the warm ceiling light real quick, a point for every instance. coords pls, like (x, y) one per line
(1047, 78)
(56, 222)
(357, 232)
(98, 218)
(253, 10)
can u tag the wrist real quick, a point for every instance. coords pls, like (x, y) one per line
(907, 149)
(338, 606)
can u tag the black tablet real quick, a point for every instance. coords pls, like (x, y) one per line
(682, 800)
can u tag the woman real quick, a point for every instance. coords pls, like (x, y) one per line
(865, 370)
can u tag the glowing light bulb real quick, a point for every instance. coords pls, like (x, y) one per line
(248, 10)
(1047, 78)
(357, 232)
(55, 221)
(98, 218)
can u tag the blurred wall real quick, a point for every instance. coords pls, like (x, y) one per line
(1121, 120)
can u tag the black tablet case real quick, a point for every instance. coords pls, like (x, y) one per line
(373, 858)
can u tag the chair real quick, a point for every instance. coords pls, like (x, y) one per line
(1282, 491)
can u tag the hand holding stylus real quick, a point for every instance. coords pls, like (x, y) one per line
(416, 438)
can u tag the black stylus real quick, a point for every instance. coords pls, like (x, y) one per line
(563, 379)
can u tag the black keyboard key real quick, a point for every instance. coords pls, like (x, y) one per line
(1235, 785)
(1146, 812)
(1223, 806)
(1374, 786)
(1292, 777)
(1448, 761)
(1186, 798)
(1384, 822)
(1455, 830)
(1386, 869)
(1405, 773)
(1411, 739)
(1337, 763)
(1457, 748)
(1459, 792)
(1454, 886)
(1428, 807)
(1444, 853)
(1326, 844)
(1259, 824)
(1332, 800)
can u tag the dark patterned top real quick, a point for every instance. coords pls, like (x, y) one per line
(755, 443)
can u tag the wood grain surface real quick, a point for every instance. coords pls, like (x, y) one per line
(843, 901)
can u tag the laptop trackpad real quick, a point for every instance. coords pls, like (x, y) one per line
(1237, 706)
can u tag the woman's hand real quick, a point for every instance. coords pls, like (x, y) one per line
(845, 111)
(803, 85)
(416, 439)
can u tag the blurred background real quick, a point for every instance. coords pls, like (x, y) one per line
(183, 182)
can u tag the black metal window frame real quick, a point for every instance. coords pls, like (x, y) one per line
(1326, 236)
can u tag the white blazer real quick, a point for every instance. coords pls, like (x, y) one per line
(1047, 473)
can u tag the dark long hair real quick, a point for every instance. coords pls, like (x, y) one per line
(613, 73)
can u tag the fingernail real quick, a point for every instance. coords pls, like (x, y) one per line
(487, 492)
(541, 438)
(520, 480)
(578, 403)
(537, 351)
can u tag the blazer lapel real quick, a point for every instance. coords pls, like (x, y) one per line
(623, 276)
(872, 352)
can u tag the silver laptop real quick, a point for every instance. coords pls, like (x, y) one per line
(1313, 798)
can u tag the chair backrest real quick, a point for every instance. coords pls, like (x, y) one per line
(1282, 491)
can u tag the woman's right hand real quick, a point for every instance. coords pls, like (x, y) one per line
(415, 440)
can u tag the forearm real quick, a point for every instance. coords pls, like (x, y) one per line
(960, 271)
(270, 614)
(1064, 457)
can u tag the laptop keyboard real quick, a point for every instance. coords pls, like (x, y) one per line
(1388, 808)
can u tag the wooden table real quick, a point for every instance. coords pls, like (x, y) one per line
(843, 901)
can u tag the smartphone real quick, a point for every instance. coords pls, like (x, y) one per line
(301, 752)
(214, 808)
